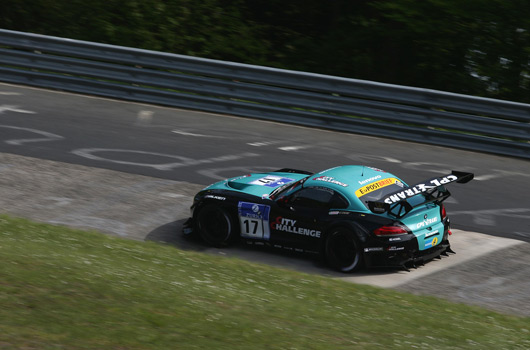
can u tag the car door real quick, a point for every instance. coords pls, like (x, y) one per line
(299, 218)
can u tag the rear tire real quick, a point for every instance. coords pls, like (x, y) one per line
(215, 225)
(343, 250)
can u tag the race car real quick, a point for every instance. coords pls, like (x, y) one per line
(352, 215)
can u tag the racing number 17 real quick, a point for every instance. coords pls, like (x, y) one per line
(252, 228)
(254, 223)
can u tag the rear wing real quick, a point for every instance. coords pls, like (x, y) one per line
(433, 190)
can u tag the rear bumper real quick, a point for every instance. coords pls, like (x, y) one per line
(404, 258)
(406, 253)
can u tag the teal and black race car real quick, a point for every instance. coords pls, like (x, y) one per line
(353, 215)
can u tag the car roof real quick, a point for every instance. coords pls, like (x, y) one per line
(347, 179)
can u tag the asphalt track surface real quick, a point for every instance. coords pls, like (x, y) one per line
(131, 170)
(202, 148)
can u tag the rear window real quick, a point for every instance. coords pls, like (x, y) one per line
(377, 190)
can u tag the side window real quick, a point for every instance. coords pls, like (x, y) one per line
(318, 197)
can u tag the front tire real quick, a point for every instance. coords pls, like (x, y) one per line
(215, 225)
(343, 250)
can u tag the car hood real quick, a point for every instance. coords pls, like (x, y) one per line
(261, 184)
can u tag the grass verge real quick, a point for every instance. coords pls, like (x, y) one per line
(63, 288)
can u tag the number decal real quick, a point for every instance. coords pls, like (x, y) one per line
(254, 223)
(254, 220)
(272, 181)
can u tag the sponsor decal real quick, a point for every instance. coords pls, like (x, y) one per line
(430, 234)
(375, 186)
(369, 180)
(272, 181)
(219, 198)
(394, 239)
(373, 249)
(419, 188)
(339, 213)
(254, 220)
(289, 225)
(395, 249)
(426, 222)
(431, 243)
(331, 180)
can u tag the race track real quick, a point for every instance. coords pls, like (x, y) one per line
(131, 170)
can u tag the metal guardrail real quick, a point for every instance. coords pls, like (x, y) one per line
(350, 105)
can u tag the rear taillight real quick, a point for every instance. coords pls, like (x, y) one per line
(390, 230)
(444, 213)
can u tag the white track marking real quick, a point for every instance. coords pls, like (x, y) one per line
(8, 108)
(7, 93)
(264, 143)
(487, 217)
(171, 195)
(497, 173)
(293, 148)
(370, 158)
(185, 133)
(435, 167)
(89, 153)
(144, 117)
(48, 136)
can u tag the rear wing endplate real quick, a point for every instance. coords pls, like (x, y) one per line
(433, 190)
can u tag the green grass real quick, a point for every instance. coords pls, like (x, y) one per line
(67, 289)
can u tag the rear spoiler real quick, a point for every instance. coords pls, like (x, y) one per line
(434, 191)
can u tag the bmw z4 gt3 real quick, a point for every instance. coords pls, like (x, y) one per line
(353, 215)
